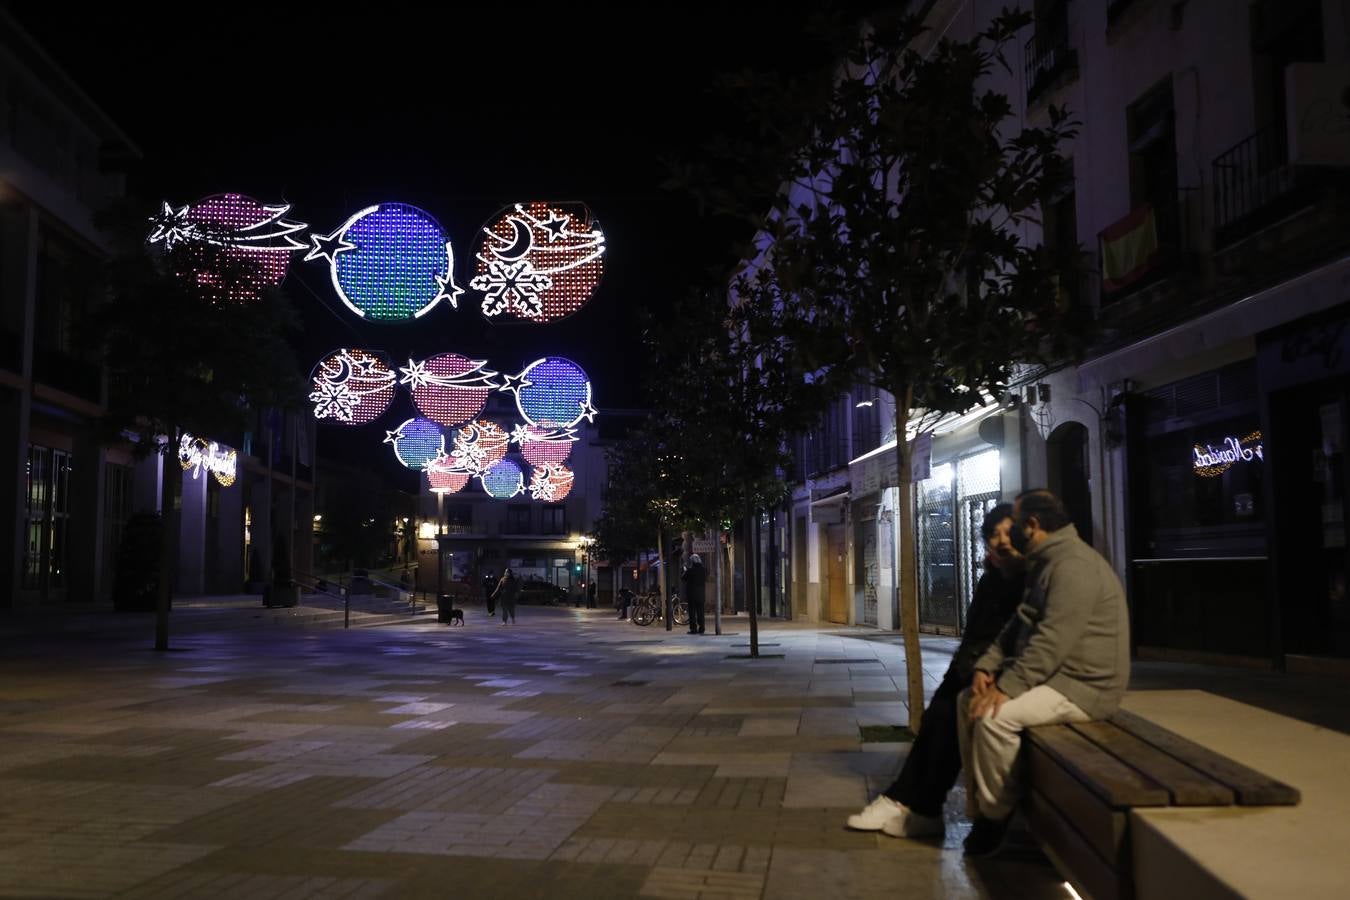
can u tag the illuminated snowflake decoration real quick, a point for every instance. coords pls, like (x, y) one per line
(551, 482)
(512, 286)
(478, 446)
(351, 387)
(539, 262)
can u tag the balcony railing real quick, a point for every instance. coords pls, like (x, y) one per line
(1147, 244)
(1047, 58)
(1253, 185)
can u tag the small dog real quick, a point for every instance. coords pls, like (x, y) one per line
(456, 617)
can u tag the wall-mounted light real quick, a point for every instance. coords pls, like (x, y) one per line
(318, 517)
(862, 403)
(426, 530)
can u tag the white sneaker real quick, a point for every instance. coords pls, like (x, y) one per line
(912, 825)
(876, 814)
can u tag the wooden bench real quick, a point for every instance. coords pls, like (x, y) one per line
(1083, 780)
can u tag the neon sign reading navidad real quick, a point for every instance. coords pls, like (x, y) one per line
(1209, 460)
(197, 454)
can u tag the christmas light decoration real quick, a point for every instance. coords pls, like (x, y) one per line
(478, 446)
(539, 262)
(417, 442)
(449, 389)
(1210, 461)
(389, 262)
(444, 478)
(503, 480)
(552, 393)
(351, 387)
(229, 245)
(196, 454)
(540, 445)
(551, 482)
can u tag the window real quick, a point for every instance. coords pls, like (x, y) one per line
(47, 507)
(459, 517)
(555, 520)
(1151, 127)
(117, 487)
(518, 519)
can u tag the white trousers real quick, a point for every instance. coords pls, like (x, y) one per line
(989, 746)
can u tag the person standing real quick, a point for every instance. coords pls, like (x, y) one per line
(508, 590)
(625, 600)
(489, 588)
(1064, 657)
(912, 806)
(591, 590)
(695, 579)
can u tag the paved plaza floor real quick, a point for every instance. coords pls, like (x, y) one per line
(570, 755)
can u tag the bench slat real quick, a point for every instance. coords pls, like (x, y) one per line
(1072, 855)
(1102, 827)
(1187, 786)
(1250, 787)
(1118, 785)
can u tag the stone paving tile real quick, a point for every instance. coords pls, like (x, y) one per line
(559, 761)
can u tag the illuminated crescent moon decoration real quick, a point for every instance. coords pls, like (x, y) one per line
(389, 262)
(552, 393)
(351, 387)
(551, 482)
(229, 246)
(417, 443)
(504, 480)
(478, 446)
(546, 278)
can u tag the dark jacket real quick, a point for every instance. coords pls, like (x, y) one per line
(695, 578)
(508, 589)
(996, 599)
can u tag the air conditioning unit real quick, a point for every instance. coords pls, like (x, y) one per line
(1318, 104)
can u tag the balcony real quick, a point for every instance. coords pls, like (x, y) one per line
(1049, 61)
(1255, 186)
(1149, 243)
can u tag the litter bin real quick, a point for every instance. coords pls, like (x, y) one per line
(444, 603)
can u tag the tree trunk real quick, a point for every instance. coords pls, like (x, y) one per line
(752, 599)
(167, 540)
(908, 574)
(661, 575)
(717, 580)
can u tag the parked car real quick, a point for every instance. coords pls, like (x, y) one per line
(542, 593)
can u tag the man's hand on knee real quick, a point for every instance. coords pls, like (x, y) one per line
(982, 684)
(987, 703)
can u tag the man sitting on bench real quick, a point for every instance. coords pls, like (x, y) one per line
(1065, 657)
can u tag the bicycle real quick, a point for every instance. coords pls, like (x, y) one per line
(647, 609)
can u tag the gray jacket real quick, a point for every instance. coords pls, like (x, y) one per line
(1072, 631)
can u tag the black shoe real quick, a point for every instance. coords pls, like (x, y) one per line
(986, 837)
(700, 631)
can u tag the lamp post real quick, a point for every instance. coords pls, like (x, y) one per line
(585, 543)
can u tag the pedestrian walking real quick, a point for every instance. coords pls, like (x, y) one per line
(508, 590)
(912, 806)
(489, 589)
(695, 579)
(591, 591)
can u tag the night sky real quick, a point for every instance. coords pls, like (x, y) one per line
(460, 113)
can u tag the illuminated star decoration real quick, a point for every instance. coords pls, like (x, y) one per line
(230, 246)
(513, 285)
(539, 261)
(587, 410)
(514, 383)
(328, 246)
(478, 446)
(551, 482)
(448, 388)
(351, 387)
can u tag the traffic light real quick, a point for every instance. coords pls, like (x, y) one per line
(578, 567)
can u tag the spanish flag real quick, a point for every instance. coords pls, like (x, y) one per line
(1129, 248)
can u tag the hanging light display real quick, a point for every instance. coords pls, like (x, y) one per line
(351, 387)
(551, 482)
(503, 480)
(477, 446)
(444, 478)
(417, 442)
(230, 246)
(539, 262)
(196, 454)
(389, 262)
(449, 389)
(552, 393)
(540, 445)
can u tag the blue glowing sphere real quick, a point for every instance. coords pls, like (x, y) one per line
(504, 480)
(391, 262)
(417, 443)
(554, 393)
